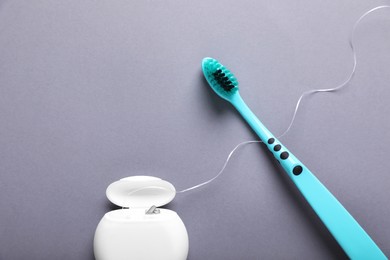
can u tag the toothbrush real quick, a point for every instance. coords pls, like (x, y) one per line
(356, 243)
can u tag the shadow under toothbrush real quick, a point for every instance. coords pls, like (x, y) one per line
(210, 99)
(290, 190)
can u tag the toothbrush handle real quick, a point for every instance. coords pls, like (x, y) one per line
(356, 243)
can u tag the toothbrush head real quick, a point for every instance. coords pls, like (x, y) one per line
(221, 80)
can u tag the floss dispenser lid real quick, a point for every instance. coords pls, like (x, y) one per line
(140, 192)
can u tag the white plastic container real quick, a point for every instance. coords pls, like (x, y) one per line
(141, 231)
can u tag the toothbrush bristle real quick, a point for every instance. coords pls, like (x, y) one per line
(223, 80)
(220, 78)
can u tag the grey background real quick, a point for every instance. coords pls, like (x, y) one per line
(93, 91)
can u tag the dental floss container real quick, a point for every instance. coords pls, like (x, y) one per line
(141, 230)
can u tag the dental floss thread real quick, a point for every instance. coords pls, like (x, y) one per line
(313, 91)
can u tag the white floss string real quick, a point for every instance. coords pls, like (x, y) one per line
(223, 167)
(342, 85)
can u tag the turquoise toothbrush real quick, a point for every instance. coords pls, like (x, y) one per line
(356, 243)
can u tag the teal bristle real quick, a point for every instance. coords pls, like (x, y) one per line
(222, 81)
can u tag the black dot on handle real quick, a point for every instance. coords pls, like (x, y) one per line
(284, 155)
(297, 170)
(271, 140)
(277, 147)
